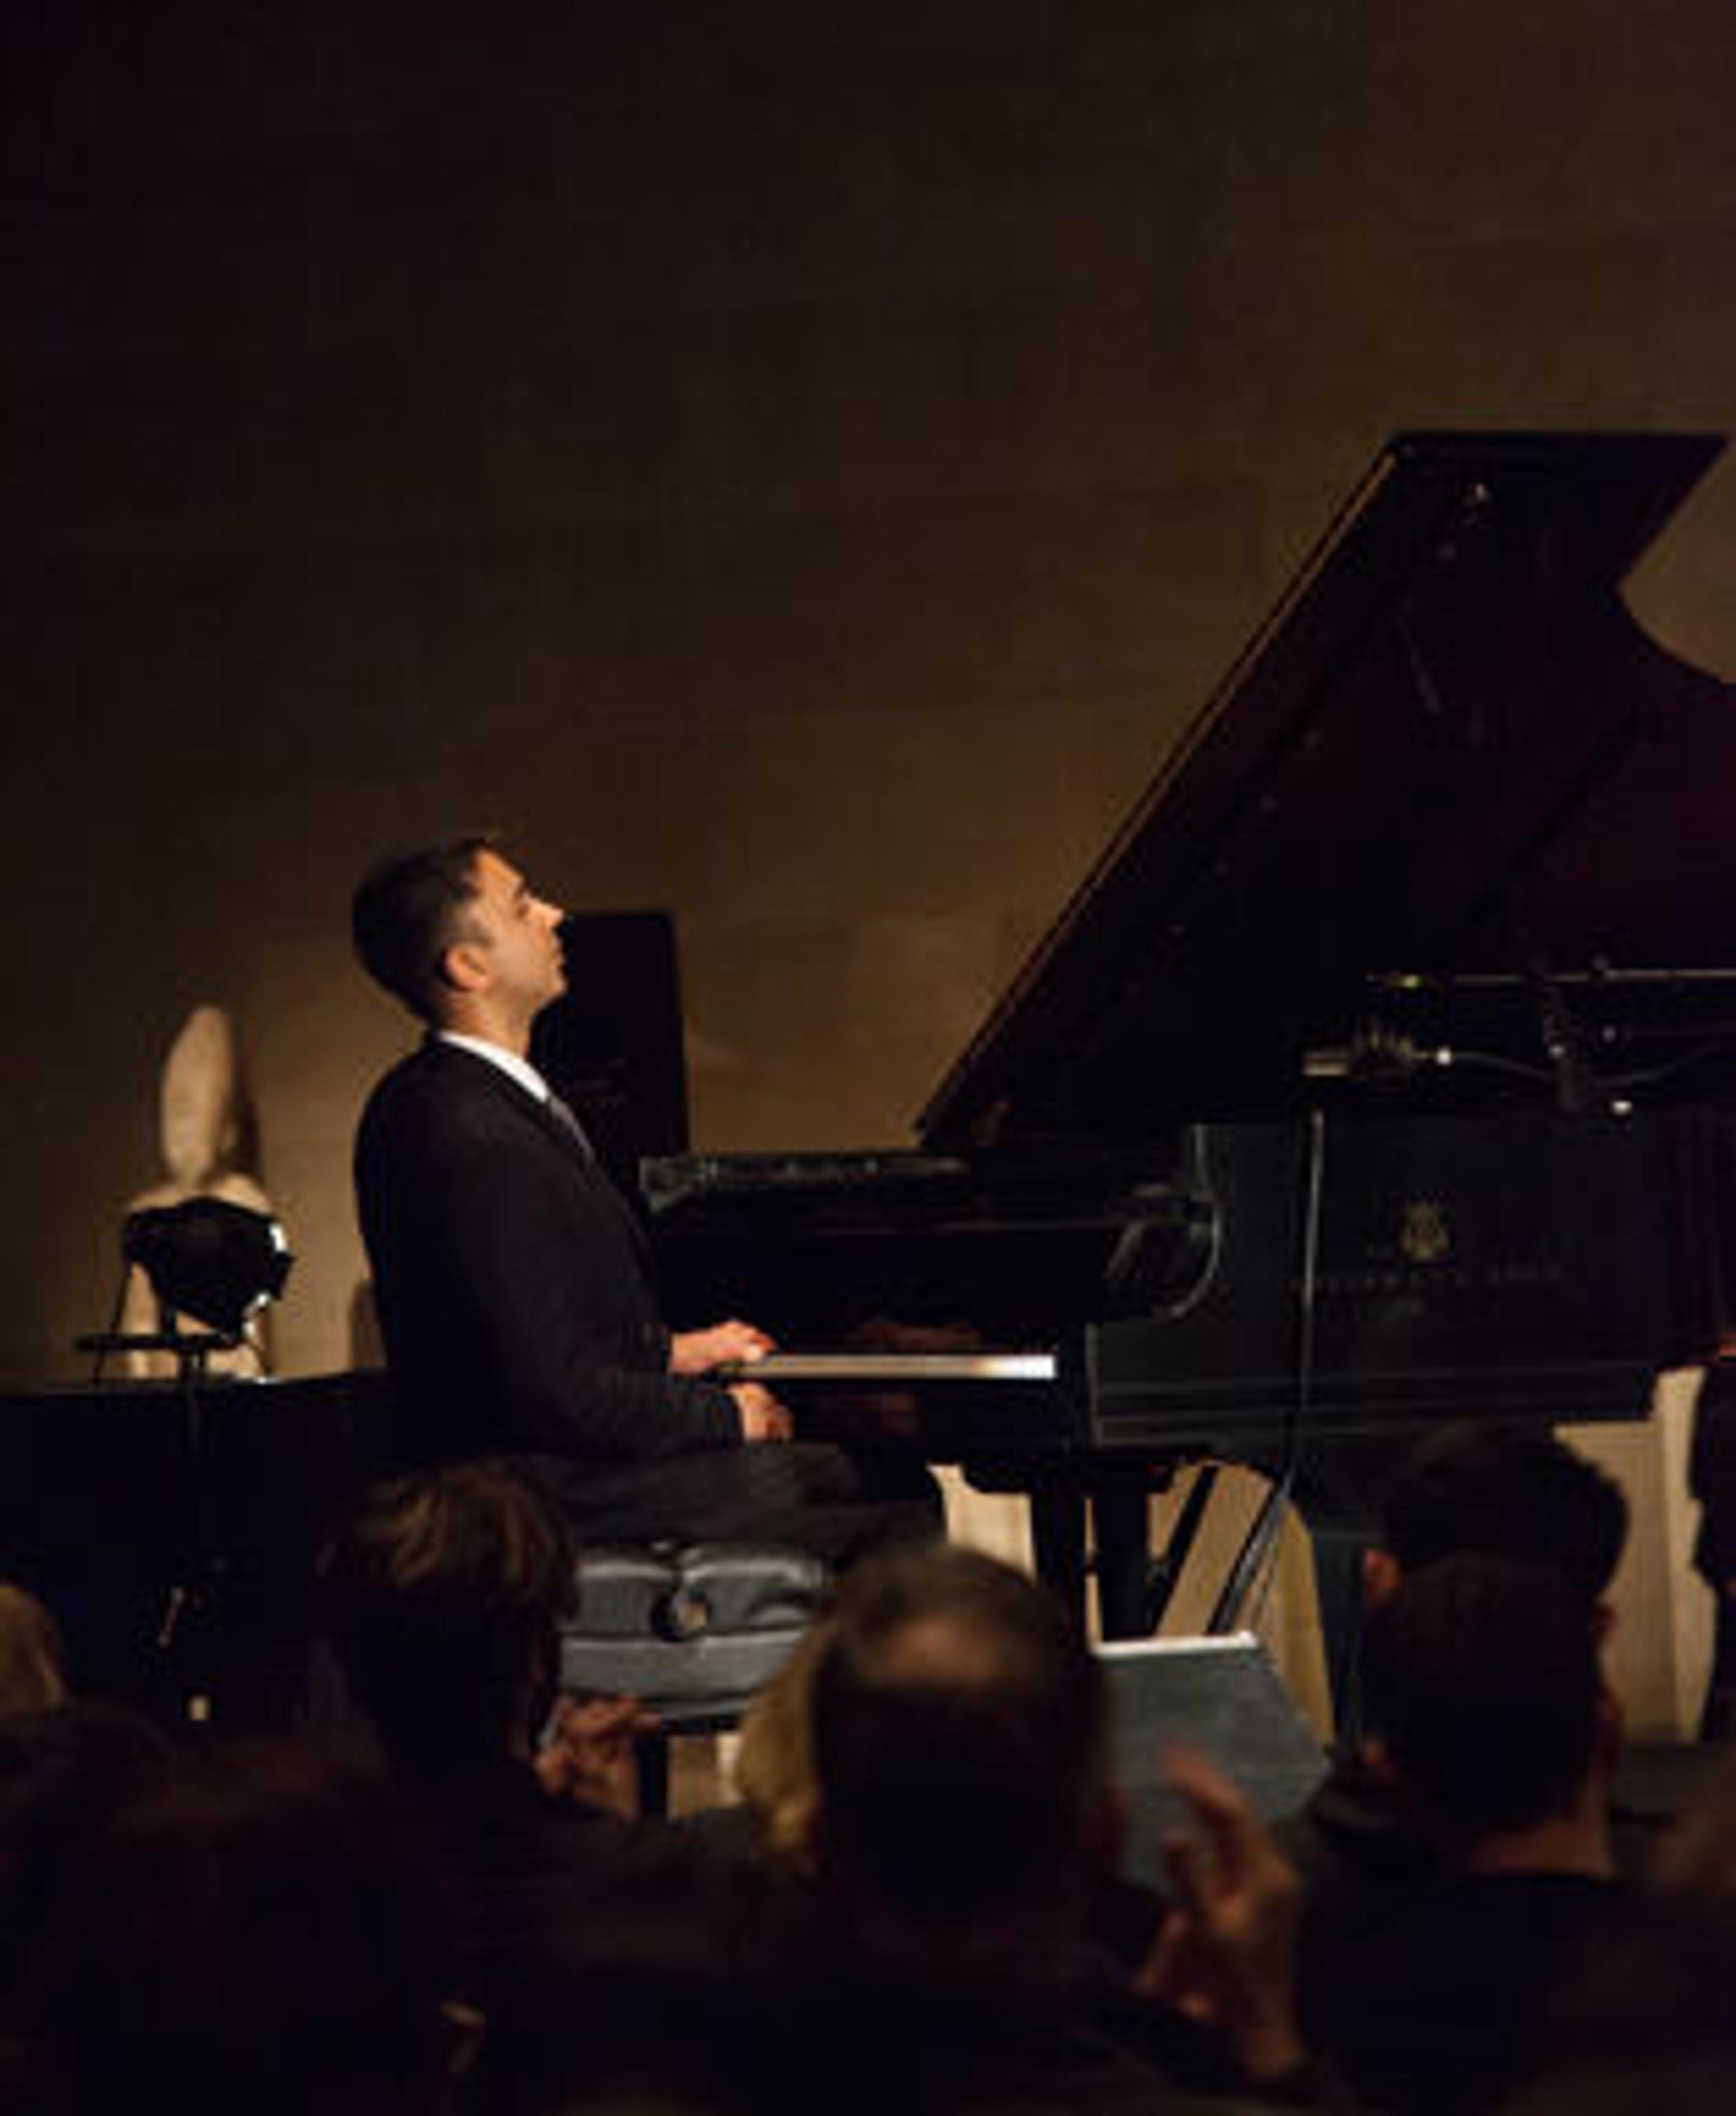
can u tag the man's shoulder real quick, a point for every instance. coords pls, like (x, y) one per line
(436, 1075)
(439, 1097)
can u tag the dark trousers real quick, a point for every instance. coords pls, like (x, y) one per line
(835, 1501)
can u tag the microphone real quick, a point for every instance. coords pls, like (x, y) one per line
(1374, 1054)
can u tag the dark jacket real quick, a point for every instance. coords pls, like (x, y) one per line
(514, 1288)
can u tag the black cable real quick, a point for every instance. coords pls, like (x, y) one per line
(1257, 1558)
(1307, 1315)
(1684, 1061)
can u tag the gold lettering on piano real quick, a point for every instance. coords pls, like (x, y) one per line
(1421, 1257)
(1424, 1237)
(1441, 1278)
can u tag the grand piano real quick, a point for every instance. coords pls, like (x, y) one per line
(1375, 1076)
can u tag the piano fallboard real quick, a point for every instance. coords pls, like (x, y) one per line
(1356, 1276)
(1526, 1264)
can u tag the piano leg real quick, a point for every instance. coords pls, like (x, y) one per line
(1118, 1550)
(1057, 1513)
(1121, 1517)
(1131, 1590)
(1338, 1550)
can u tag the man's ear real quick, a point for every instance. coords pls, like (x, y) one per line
(1377, 1759)
(1381, 1572)
(1603, 1623)
(463, 967)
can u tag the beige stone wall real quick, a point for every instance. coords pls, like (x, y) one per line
(1660, 1652)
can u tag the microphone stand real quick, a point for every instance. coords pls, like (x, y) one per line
(190, 1602)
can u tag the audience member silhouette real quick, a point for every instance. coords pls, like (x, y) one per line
(1711, 1479)
(1483, 1673)
(1644, 2021)
(1516, 1490)
(444, 1596)
(32, 1661)
(1358, 1845)
(64, 1772)
(261, 1933)
(580, 1931)
(966, 1819)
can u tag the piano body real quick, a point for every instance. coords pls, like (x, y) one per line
(1373, 1078)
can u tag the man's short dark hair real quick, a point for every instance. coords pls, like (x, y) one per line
(1482, 1674)
(960, 1729)
(408, 910)
(1509, 1488)
(444, 1596)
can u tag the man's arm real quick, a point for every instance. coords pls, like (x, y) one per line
(547, 1285)
(1226, 1956)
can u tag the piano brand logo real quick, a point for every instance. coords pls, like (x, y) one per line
(1424, 1237)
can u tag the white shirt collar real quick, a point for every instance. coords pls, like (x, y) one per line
(515, 1068)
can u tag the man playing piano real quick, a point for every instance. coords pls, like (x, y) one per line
(513, 1286)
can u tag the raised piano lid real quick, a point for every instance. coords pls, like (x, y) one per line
(1449, 748)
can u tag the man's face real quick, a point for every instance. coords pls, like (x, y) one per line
(515, 936)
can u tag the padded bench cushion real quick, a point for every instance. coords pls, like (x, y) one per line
(692, 1629)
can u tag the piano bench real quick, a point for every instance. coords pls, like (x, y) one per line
(693, 1630)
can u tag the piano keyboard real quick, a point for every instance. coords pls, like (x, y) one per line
(892, 1369)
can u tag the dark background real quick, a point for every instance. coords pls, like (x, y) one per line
(794, 463)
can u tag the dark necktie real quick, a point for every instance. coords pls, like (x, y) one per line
(570, 1123)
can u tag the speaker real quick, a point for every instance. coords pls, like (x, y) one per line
(1220, 1695)
(611, 1044)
